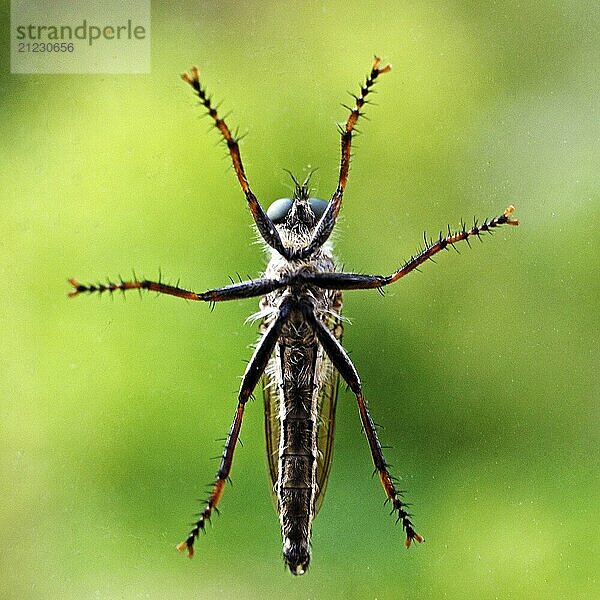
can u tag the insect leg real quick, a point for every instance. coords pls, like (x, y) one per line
(253, 373)
(235, 291)
(263, 223)
(327, 222)
(348, 131)
(357, 281)
(343, 364)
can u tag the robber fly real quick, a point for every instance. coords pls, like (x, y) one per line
(299, 354)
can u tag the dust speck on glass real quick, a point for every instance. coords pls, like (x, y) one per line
(299, 355)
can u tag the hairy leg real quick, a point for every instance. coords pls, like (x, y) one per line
(341, 361)
(263, 223)
(327, 222)
(235, 291)
(357, 281)
(253, 373)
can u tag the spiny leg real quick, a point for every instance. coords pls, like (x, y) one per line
(263, 223)
(356, 281)
(253, 373)
(327, 222)
(219, 485)
(348, 131)
(341, 361)
(235, 291)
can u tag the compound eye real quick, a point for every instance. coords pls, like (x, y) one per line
(318, 206)
(278, 211)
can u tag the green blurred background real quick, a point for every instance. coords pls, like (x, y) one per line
(482, 368)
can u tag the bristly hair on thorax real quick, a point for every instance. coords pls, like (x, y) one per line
(299, 356)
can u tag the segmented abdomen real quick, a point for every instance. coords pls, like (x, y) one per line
(296, 486)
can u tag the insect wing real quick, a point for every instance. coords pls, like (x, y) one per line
(272, 429)
(328, 392)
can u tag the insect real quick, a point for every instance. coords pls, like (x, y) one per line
(299, 355)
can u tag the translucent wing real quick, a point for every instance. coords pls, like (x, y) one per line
(327, 400)
(271, 401)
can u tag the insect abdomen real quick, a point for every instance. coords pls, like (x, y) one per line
(296, 485)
